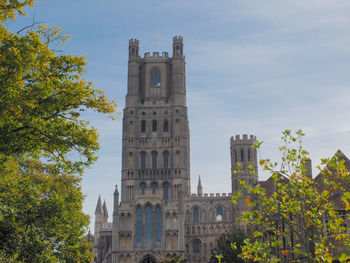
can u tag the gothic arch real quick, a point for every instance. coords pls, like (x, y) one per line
(149, 258)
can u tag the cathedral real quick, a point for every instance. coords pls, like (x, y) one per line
(155, 214)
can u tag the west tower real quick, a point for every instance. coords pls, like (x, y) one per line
(148, 223)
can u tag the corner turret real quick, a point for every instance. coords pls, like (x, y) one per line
(243, 161)
(178, 47)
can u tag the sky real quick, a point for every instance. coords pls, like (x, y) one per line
(253, 67)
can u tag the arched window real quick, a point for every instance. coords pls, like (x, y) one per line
(143, 126)
(158, 226)
(154, 160)
(148, 226)
(166, 191)
(242, 155)
(155, 78)
(166, 126)
(219, 214)
(235, 152)
(138, 227)
(154, 126)
(196, 246)
(166, 160)
(248, 155)
(142, 187)
(154, 187)
(196, 215)
(143, 160)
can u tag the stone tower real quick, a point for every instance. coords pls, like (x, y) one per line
(149, 220)
(243, 153)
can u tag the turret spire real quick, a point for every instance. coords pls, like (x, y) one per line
(105, 212)
(199, 187)
(98, 206)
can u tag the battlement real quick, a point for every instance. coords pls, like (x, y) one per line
(244, 140)
(156, 55)
(177, 39)
(133, 42)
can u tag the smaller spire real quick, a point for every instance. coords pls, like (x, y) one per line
(98, 206)
(105, 212)
(199, 187)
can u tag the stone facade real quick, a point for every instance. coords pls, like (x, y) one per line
(155, 215)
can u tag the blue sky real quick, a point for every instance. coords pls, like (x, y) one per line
(253, 67)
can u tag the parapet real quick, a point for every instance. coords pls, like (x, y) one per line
(133, 42)
(177, 39)
(244, 140)
(156, 55)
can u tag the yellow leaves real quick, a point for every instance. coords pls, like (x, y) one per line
(347, 205)
(242, 182)
(247, 201)
(308, 223)
(261, 162)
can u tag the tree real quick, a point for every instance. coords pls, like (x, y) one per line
(299, 221)
(41, 218)
(42, 96)
(229, 247)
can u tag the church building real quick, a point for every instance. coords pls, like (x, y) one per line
(155, 214)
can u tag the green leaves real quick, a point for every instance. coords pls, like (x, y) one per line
(41, 216)
(42, 96)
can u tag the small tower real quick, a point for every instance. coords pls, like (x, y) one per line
(115, 224)
(132, 96)
(98, 223)
(243, 153)
(199, 187)
(178, 73)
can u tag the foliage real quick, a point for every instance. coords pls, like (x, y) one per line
(229, 247)
(41, 218)
(42, 96)
(298, 221)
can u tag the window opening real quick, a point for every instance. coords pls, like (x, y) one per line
(143, 126)
(219, 214)
(166, 191)
(143, 187)
(166, 126)
(154, 160)
(148, 226)
(143, 160)
(154, 187)
(138, 227)
(195, 215)
(154, 126)
(166, 160)
(155, 78)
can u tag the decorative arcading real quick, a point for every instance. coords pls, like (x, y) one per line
(211, 195)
